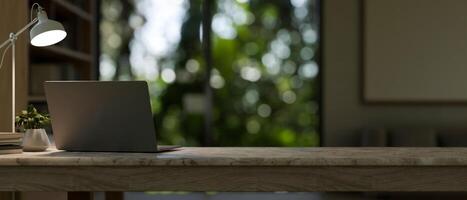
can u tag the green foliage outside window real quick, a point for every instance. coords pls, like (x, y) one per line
(264, 58)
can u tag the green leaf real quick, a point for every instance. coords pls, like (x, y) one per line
(31, 118)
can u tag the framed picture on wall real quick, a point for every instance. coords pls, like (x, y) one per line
(414, 51)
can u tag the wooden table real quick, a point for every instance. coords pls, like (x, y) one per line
(240, 169)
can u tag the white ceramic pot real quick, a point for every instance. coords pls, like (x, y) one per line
(35, 140)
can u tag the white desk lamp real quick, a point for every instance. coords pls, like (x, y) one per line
(45, 33)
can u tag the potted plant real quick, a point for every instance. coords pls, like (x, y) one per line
(33, 123)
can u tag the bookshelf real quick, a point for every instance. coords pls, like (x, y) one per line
(75, 58)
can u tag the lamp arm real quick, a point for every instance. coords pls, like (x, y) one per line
(5, 43)
(11, 41)
(14, 35)
(27, 26)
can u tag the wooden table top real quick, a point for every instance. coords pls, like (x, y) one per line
(239, 170)
(249, 156)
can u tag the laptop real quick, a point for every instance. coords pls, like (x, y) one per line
(102, 116)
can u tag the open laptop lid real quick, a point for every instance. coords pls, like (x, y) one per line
(112, 116)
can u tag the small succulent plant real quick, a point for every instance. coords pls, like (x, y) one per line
(32, 119)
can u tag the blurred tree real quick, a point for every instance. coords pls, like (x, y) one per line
(264, 77)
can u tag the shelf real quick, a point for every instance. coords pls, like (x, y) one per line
(74, 9)
(61, 54)
(36, 98)
(75, 58)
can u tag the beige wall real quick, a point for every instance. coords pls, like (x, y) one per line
(344, 112)
(13, 16)
(415, 50)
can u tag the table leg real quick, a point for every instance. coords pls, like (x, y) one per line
(80, 196)
(114, 196)
(6, 195)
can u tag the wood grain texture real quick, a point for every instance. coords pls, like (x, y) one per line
(255, 156)
(240, 169)
(14, 15)
(234, 179)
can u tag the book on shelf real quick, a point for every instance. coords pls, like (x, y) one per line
(10, 136)
(41, 73)
(49, 72)
(11, 142)
(10, 149)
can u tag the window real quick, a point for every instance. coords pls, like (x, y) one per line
(248, 78)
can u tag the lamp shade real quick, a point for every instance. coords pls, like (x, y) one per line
(46, 32)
